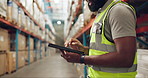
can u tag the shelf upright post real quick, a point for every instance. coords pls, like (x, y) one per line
(35, 46)
(28, 49)
(16, 47)
(40, 49)
(85, 44)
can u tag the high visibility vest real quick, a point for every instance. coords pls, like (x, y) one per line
(99, 45)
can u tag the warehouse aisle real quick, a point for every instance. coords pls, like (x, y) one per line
(53, 66)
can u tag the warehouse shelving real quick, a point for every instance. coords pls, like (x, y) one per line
(20, 5)
(5, 22)
(11, 27)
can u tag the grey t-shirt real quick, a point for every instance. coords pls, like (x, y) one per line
(121, 22)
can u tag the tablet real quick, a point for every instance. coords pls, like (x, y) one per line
(65, 48)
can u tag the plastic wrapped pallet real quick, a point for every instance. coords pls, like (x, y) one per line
(36, 11)
(41, 4)
(3, 63)
(14, 13)
(9, 10)
(20, 12)
(32, 26)
(29, 6)
(27, 23)
(4, 40)
(3, 7)
(23, 24)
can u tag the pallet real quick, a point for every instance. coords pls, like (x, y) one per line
(3, 17)
(10, 72)
(3, 51)
(14, 22)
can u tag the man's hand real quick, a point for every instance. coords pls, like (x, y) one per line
(76, 45)
(71, 57)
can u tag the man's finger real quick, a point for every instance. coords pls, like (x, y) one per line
(62, 51)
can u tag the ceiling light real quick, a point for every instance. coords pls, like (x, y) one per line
(59, 22)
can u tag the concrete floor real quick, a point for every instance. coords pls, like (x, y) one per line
(49, 67)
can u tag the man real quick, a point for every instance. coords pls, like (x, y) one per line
(112, 50)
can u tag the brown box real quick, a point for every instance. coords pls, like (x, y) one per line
(3, 63)
(31, 44)
(32, 55)
(4, 40)
(21, 42)
(11, 62)
(21, 59)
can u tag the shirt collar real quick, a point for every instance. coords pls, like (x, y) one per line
(106, 5)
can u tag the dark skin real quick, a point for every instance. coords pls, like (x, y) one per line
(123, 57)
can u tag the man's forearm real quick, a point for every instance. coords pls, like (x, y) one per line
(113, 59)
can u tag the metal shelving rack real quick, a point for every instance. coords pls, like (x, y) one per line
(18, 30)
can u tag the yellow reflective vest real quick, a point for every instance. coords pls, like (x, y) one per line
(99, 45)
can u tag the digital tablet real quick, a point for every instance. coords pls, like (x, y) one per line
(65, 48)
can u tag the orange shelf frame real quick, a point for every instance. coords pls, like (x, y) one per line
(38, 6)
(84, 29)
(142, 29)
(20, 5)
(14, 26)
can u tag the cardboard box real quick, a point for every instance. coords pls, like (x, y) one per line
(11, 62)
(21, 59)
(4, 40)
(3, 63)
(32, 55)
(21, 42)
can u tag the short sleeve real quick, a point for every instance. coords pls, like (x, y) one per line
(122, 21)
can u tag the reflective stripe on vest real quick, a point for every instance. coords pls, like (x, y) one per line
(100, 45)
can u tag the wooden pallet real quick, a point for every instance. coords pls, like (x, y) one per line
(10, 72)
(3, 17)
(14, 22)
(3, 51)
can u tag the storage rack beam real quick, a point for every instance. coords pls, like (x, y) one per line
(142, 29)
(84, 29)
(20, 5)
(17, 27)
(38, 6)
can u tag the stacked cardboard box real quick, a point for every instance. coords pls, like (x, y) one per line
(11, 61)
(4, 39)
(14, 13)
(21, 59)
(21, 42)
(3, 63)
(32, 55)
